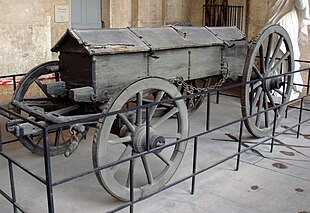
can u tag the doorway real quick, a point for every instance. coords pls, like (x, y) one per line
(86, 14)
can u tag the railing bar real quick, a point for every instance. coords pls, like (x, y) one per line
(139, 155)
(39, 178)
(8, 198)
(187, 177)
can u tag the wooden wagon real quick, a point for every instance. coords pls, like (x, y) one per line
(105, 70)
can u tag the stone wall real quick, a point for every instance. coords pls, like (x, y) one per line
(27, 32)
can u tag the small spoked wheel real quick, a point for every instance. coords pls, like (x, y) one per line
(124, 135)
(32, 92)
(270, 55)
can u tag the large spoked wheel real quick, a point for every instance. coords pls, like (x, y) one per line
(32, 92)
(270, 54)
(154, 170)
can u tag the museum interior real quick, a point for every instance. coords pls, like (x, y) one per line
(154, 106)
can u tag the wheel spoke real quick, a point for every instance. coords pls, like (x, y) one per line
(148, 170)
(39, 139)
(162, 158)
(257, 84)
(129, 125)
(273, 104)
(261, 59)
(165, 117)
(269, 48)
(120, 140)
(280, 62)
(259, 109)
(267, 112)
(256, 70)
(276, 51)
(257, 95)
(139, 111)
(126, 154)
(57, 137)
(270, 99)
(158, 98)
(42, 87)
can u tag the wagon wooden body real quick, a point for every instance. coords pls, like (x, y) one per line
(106, 60)
(105, 70)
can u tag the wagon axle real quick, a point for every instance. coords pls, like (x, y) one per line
(139, 139)
(273, 83)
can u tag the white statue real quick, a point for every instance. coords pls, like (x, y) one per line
(292, 15)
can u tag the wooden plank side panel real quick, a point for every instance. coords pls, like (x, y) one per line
(205, 62)
(235, 58)
(114, 72)
(170, 63)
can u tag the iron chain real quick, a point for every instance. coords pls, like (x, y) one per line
(190, 88)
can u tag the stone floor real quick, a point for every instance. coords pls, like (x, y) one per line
(265, 182)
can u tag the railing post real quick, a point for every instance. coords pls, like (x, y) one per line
(300, 115)
(0, 138)
(12, 186)
(208, 112)
(147, 133)
(251, 97)
(48, 172)
(132, 182)
(274, 128)
(194, 165)
(308, 83)
(14, 83)
(239, 144)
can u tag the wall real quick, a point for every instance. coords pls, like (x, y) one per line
(255, 17)
(196, 15)
(139, 13)
(27, 32)
(120, 13)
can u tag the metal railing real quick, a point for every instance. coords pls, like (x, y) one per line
(223, 15)
(195, 139)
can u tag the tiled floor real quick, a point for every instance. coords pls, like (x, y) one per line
(265, 182)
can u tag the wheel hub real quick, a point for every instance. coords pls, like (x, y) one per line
(139, 139)
(273, 83)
